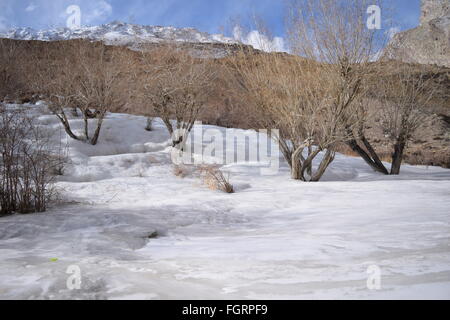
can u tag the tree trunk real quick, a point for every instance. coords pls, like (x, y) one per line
(148, 127)
(327, 159)
(373, 154)
(287, 154)
(94, 139)
(65, 122)
(296, 166)
(353, 144)
(74, 111)
(397, 156)
(168, 125)
(69, 131)
(309, 169)
(86, 128)
(296, 169)
(308, 162)
(177, 142)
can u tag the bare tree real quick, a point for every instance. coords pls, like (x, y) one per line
(88, 78)
(403, 96)
(297, 97)
(335, 32)
(312, 98)
(56, 79)
(176, 87)
(102, 85)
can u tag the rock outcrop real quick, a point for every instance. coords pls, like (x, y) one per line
(429, 43)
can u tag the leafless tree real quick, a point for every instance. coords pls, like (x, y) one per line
(176, 87)
(335, 32)
(88, 78)
(297, 97)
(56, 79)
(403, 95)
(102, 86)
(28, 162)
(312, 98)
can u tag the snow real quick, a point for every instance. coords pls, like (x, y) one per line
(118, 33)
(136, 231)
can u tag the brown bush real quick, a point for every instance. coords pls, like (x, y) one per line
(214, 179)
(180, 171)
(28, 163)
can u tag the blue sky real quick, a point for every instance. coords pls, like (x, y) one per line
(206, 15)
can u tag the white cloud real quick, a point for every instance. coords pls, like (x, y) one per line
(259, 41)
(31, 7)
(93, 12)
(97, 11)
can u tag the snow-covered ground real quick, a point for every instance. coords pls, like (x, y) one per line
(136, 231)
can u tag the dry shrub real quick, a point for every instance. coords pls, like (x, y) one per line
(180, 171)
(214, 179)
(183, 171)
(28, 162)
(153, 160)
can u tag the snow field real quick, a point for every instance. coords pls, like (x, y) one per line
(137, 231)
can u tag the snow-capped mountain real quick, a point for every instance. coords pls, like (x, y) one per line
(119, 33)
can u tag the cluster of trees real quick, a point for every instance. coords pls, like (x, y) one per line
(90, 80)
(325, 93)
(319, 97)
(80, 80)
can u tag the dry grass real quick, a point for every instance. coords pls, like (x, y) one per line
(214, 179)
(180, 171)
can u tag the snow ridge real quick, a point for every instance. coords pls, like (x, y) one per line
(119, 33)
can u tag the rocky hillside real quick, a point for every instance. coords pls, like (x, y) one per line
(429, 43)
(130, 35)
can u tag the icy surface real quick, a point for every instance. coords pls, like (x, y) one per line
(137, 231)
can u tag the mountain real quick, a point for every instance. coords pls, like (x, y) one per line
(429, 43)
(119, 33)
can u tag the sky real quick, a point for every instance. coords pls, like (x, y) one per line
(211, 16)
